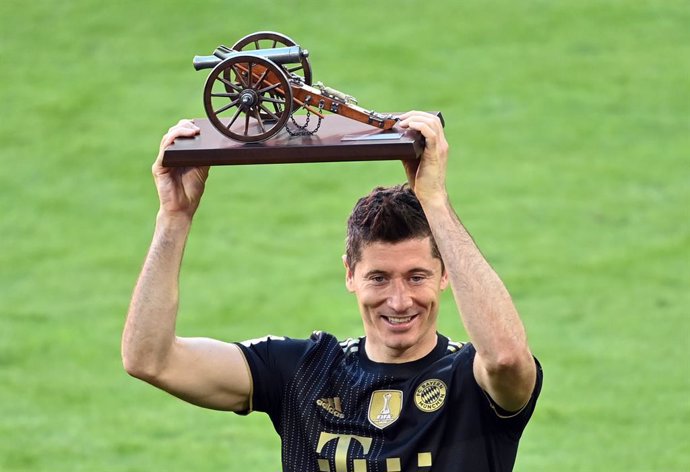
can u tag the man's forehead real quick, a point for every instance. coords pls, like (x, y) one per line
(401, 255)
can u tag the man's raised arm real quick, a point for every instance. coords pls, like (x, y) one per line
(202, 371)
(503, 365)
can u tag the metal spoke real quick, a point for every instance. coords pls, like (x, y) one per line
(239, 77)
(273, 100)
(256, 43)
(229, 84)
(258, 118)
(269, 88)
(226, 107)
(225, 95)
(234, 118)
(272, 115)
(276, 102)
(261, 79)
(249, 74)
(246, 123)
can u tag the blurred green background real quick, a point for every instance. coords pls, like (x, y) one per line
(568, 123)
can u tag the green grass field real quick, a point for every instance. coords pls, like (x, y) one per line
(569, 124)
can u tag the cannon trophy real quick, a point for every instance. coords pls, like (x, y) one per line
(257, 85)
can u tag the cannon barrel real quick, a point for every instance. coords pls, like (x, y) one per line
(205, 62)
(286, 55)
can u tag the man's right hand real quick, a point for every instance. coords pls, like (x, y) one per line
(179, 188)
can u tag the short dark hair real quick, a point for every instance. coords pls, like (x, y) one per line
(387, 214)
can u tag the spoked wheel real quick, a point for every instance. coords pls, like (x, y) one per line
(247, 98)
(271, 39)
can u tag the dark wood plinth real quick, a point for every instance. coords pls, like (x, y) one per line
(338, 139)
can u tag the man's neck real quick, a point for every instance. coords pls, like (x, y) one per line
(379, 352)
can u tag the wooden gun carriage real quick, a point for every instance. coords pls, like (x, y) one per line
(257, 85)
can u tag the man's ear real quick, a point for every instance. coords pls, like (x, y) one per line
(349, 275)
(444, 279)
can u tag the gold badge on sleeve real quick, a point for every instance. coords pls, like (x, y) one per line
(385, 407)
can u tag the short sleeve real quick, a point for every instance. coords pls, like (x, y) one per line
(272, 361)
(512, 423)
(517, 420)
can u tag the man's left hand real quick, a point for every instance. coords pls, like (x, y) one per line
(427, 176)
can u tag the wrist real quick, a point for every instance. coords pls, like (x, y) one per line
(170, 220)
(433, 200)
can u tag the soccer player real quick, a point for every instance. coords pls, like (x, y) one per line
(400, 398)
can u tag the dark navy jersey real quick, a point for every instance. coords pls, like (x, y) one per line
(338, 411)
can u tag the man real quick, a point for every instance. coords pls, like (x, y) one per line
(401, 398)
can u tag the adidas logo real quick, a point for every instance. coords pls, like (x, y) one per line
(331, 405)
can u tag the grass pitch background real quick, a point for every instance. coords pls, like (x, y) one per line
(568, 123)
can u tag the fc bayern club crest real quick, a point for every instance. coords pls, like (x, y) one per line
(430, 395)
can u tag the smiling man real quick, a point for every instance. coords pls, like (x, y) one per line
(401, 398)
(394, 268)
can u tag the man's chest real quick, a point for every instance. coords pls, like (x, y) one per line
(353, 421)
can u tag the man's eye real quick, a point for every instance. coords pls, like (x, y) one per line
(377, 279)
(417, 279)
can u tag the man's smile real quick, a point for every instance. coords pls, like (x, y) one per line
(399, 321)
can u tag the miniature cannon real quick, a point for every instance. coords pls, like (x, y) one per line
(259, 83)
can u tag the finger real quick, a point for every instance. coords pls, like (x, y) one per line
(185, 128)
(432, 120)
(410, 113)
(186, 123)
(427, 129)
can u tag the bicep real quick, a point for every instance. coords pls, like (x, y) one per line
(208, 373)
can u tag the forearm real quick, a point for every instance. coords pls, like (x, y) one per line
(503, 365)
(488, 312)
(150, 327)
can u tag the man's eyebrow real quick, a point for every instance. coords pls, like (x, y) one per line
(375, 272)
(415, 270)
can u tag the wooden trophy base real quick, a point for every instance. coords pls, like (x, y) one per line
(338, 139)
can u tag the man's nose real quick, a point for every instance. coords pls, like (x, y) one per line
(399, 298)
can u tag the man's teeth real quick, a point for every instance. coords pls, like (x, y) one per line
(399, 320)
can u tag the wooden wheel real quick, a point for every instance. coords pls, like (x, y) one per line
(271, 39)
(247, 98)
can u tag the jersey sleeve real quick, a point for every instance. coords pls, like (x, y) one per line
(512, 423)
(516, 421)
(272, 362)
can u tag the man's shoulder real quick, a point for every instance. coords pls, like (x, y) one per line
(453, 347)
(350, 345)
(347, 346)
(456, 349)
(315, 337)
